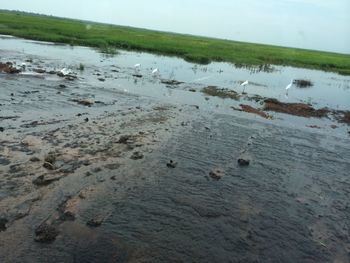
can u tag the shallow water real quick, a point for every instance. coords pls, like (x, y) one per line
(329, 89)
(291, 204)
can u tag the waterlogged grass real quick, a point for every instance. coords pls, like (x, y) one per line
(192, 48)
(221, 93)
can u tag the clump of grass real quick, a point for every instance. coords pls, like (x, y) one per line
(303, 83)
(81, 67)
(108, 51)
(221, 93)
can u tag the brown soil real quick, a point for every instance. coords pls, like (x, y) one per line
(346, 117)
(298, 109)
(8, 68)
(250, 109)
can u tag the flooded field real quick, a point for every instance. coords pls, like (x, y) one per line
(107, 162)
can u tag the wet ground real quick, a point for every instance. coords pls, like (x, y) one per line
(111, 167)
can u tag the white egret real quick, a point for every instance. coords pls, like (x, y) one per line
(65, 71)
(289, 86)
(137, 66)
(244, 84)
(155, 71)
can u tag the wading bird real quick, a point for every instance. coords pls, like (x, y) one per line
(65, 71)
(289, 86)
(244, 84)
(137, 66)
(155, 71)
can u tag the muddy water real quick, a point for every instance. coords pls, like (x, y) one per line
(109, 199)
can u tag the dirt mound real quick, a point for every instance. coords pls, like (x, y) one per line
(298, 109)
(8, 68)
(250, 109)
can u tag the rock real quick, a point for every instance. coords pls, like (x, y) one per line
(94, 222)
(192, 90)
(39, 70)
(4, 161)
(49, 166)
(34, 159)
(50, 158)
(170, 82)
(45, 233)
(86, 119)
(334, 126)
(124, 139)
(216, 174)
(45, 180)
(62, 86)
(85, 102)
(136, 156)
(171, 164)
(243, 162)
(101, 79)
(2, 129)
(3, 223)
(137, 75)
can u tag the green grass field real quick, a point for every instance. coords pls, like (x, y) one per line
(192, 48)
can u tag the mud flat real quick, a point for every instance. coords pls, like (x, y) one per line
(92, 173)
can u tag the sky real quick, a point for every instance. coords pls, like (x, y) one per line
(311, 24)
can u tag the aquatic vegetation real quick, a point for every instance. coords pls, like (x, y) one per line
(81, 67)
(221, 93)
(201, 50)
(303, 83)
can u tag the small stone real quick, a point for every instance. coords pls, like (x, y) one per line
(171, 164)
(243, 162)
(34, 159)
(95, 222)
(2, 129)
(137, 156)
(86, 119)
(216, 174)
(124, 139)
(45, 233)
(3, 222)
(48, 166)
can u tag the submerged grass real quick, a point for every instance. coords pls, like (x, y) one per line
(221, 93)
(191, 48)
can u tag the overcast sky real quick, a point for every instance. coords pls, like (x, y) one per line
(311, 24)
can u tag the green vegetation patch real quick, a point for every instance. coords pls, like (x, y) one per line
(195, 49)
